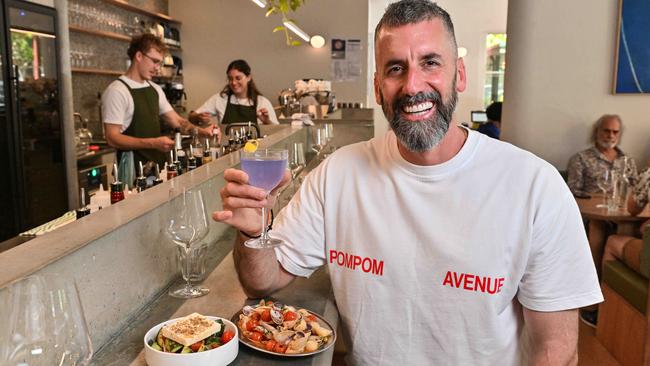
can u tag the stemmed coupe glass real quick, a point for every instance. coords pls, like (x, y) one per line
(42, 323)
(265, 169)
(187, 226)
(605, 182)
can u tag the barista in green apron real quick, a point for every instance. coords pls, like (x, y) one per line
(133, 92)
(145, 123)
(248, 104)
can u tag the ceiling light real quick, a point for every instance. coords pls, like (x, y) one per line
(294, 28)
(260, 3)
(462, 52)
(317, 41)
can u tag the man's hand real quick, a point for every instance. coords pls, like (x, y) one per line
(162, 143)
(242, 202)
(202, 118)
(263, 115)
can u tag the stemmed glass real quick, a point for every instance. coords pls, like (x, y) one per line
(605, 182)
(265, 169)
(297, 161)
(42, 323)
(320, 139)
(186, 227)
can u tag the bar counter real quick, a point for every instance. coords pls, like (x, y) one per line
(123, 264)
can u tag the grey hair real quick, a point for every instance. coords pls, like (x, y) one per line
(599, 124)
(406, 12)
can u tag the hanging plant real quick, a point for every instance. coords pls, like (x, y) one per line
(283, 8)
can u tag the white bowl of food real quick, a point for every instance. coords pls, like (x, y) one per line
(194, 340)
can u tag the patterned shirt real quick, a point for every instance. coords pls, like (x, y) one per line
(586, 166)
(642, 189)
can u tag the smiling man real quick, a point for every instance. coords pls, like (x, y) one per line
(444, 246)
(132, 105)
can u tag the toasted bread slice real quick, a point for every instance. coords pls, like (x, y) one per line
(190, 329)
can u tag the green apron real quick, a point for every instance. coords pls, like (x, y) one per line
(145, 123)
(239, 113)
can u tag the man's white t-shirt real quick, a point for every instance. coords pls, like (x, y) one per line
(118, 106)
(216, 106)
(430, 265)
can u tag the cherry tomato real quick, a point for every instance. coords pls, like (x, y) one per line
(196, 346)
(278, 348)
(290, 315)
(266, 315)
(255, 316)
(311, 318)
(251, 324)
(255, 336)
(227, 336)
(270, 345)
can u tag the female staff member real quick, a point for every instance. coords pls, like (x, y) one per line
(239, 101)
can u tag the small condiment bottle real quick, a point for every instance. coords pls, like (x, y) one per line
(207, 153)
(117, 188)
(181, 157)
(83, 210)
(141, 180)
(158, 180)
(191, 161)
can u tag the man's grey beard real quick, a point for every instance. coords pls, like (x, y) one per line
(423, 135)
(606, 145)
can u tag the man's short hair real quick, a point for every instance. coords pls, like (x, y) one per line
(414, 11)
(144, 43)
(493, 111)
(599, 124)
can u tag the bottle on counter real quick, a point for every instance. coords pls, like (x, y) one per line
(198, 147)
(207, 153)
(141, 180)
(181, 157)
(83, 210)
(158, 180)
(249, 132)
(191, 161)
(117, 188)
(172, 170)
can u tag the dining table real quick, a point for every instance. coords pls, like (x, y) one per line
(592, 209)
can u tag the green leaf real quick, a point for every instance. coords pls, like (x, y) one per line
(271, 11)
(295, 4)
(295, 43)
(284, 6)
(278, 28)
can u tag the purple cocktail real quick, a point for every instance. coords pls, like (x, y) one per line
(265, 169)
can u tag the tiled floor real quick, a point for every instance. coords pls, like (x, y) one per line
(590, 351)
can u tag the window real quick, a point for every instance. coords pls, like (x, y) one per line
(495, 49)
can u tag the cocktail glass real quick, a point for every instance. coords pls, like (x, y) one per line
(265, 169)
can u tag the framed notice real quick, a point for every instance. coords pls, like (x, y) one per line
(632, 66)
(346, 59)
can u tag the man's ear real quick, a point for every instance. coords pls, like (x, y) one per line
(461, 77)
(377, 91)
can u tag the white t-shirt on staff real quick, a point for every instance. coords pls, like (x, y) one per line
(430, 265)
(216, 106)
(118, 106)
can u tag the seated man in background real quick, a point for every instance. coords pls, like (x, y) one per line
(492, 127)
(586, 166)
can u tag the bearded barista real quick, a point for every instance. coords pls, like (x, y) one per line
(132, 106)
(239, 101)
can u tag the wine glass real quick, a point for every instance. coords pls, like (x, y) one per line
(42, 323)
(320, 139)
(265, 169)
(297, 163)
(605, 182)
(186, 227)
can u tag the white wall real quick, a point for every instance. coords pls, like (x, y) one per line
(560, 62)
(215, 32)
(473, 20)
